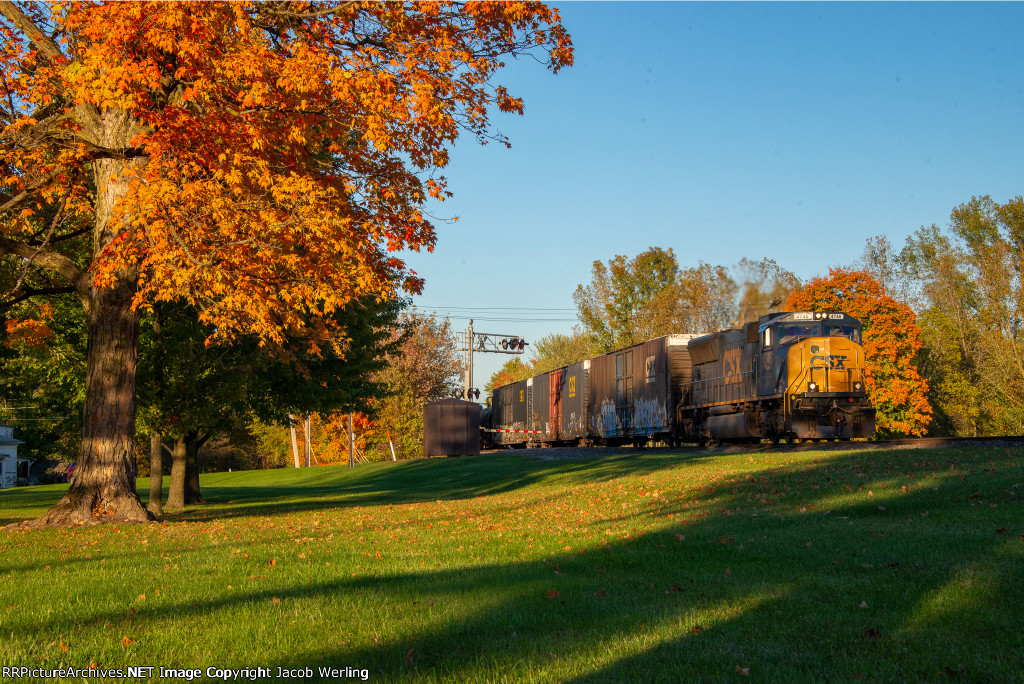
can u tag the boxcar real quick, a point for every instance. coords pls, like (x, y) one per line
(634, 391)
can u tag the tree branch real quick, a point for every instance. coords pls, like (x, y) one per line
(40, 40)
(54, 261)
(32, 292)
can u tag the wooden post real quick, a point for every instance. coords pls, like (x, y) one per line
(351, 444)
(308, 431)
(292, 419)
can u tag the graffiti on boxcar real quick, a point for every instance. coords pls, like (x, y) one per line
(605, 423)
(649, 415)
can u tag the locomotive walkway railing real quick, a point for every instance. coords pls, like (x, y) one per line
(722, 390)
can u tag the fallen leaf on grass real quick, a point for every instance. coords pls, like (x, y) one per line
(408, 657)
(680, 537)
(872, 633)
(552, 594)
(745, 671)
(881, 508)
(696, 629)
(863, 604)
(126, 642)
(276, 601)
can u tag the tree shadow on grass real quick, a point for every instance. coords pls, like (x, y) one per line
(417, 481)
(781, 571)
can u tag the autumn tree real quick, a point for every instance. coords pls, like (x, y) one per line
(891, 340)
(423, 366)
(513, 370)
(257, 161)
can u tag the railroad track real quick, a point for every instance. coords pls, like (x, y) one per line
(568, 452)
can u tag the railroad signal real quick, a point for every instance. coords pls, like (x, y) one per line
(513, 343)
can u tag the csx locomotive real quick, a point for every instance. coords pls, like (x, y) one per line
(792, 376)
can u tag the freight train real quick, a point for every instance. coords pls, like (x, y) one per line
(790, 376)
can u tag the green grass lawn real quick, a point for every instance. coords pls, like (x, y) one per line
(859, 565)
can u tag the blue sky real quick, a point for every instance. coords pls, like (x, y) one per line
(793, 131)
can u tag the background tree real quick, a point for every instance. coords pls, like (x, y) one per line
(971, 297)
(42, 374)
(192, 391)
(257, 161)
(707, 300)
(557, 350)
(629, 300)
(891, 341)
(513, 370)
(422, 367)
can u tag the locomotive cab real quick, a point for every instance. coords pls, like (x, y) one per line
(793, 375)
(818, 374)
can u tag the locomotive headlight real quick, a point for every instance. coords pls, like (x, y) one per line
(857, 387)
(812, 387)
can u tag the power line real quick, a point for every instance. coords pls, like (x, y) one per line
(493, 308)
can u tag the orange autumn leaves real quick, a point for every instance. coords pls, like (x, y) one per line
(891, 341)
(270, 156)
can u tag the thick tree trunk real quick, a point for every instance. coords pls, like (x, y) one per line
(179, 460)
(184, 489)
(156, 474)
(104, 488)
(192, 493)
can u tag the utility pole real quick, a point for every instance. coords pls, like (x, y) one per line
(468, 387)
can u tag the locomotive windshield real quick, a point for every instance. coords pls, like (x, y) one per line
(791, 332)
(850, 332)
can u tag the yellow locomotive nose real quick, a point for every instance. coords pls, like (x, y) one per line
(826, 366)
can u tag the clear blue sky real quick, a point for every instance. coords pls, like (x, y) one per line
(793, 131)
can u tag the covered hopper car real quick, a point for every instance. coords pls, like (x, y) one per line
(796, 375)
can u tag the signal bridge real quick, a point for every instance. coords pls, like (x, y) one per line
(492, 343)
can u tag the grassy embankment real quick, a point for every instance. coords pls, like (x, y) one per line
(851, 566)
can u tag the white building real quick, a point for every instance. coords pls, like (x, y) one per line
(8, 457)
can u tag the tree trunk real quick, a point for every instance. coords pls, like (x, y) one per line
(192, 493)
(156, 474)
(104, 487)
(179, 459)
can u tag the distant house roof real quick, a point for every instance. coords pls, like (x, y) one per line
(7, 436)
